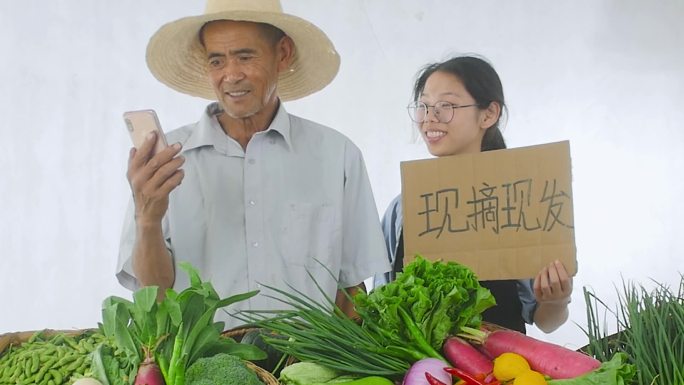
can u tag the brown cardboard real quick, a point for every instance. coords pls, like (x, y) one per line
(470, 209)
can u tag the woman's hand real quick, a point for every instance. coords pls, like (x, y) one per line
(553, 284)
(552, 290)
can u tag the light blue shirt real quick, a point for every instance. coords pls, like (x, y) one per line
(298, 195)
(392, 226)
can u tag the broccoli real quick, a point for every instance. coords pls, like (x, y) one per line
(222, 369)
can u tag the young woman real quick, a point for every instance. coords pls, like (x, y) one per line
(457, 105)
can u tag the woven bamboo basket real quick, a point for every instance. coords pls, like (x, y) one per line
(264, 375)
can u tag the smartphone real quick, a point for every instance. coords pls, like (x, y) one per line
(140, 124)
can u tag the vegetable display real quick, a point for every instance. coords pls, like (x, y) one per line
(423, 329)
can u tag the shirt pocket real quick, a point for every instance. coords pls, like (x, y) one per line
(310, 235)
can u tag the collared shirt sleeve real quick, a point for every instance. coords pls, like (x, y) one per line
(391, 229)
(529, 303)
(364, 252)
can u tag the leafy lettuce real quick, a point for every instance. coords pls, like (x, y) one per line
(427, 302)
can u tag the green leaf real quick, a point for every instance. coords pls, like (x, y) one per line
(97, 365)
(236, 298)
(145, 298)
(203, 323)
(192, 311)
(245, 351)
(202, 341)
(127, 341)
(220, 326)
(143, 313)
(162, 319)
(175, 312)
(193, 274)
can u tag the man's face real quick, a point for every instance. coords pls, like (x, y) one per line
(243, 67)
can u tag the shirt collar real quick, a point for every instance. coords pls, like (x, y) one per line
(208, 131)
(281, 125)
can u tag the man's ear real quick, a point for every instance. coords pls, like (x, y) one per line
(285, 50)
(490, 115)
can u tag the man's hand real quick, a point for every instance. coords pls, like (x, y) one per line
(152, 178)
(345, 304)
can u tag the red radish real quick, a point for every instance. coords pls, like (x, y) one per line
(434, 366)
(149, 372)
(553, 360)
(462, 355)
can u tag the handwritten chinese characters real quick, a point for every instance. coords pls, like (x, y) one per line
(496, 208)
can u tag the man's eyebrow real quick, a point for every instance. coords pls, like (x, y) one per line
(235, 52)
(242, 51)
(212, 55)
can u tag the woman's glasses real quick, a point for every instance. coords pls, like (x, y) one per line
(443, 111)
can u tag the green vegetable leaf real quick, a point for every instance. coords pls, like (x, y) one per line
(439, 298)
(245, 351)
(236, 298)
(145, 298)
(193, 274)
(97, 365)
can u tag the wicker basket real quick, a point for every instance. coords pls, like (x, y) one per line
(238, 332)
(264, 375)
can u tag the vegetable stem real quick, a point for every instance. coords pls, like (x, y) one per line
(418, 335)
(175, 364)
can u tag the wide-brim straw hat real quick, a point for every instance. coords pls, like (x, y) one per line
(176, 57)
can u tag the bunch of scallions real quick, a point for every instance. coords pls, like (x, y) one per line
(650, 325)
(320, 332)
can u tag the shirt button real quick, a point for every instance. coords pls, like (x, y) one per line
(251, 161)
(255, 244)
(272, 141)
(252, 203)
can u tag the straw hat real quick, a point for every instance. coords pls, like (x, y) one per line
(176, 57)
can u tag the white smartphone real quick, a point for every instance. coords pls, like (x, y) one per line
(140, 124)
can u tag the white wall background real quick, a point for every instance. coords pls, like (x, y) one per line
(606, 75)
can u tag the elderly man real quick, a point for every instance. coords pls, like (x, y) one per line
(266, 197)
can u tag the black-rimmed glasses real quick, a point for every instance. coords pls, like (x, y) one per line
(443, 111)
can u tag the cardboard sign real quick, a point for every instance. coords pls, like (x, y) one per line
(505, 214)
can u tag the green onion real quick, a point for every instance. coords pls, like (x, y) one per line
(649, 330)
(321, 333)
